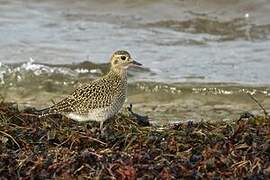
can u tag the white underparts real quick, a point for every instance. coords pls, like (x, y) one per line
(99, 114)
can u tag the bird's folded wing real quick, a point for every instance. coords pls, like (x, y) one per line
(83, 100)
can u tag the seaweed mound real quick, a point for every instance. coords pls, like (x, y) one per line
(56, 147)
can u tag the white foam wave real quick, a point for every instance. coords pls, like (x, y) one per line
(18, 73)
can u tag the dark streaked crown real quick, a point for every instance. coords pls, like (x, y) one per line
(121, 52)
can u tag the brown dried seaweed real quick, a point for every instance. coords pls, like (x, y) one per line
(56, 147)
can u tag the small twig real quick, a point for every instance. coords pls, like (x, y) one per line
(79, 169)
(93, 139)
(58, 145)
(95, 154)
(16, 126)
(6, 134)
(259, 104)
(109, 169)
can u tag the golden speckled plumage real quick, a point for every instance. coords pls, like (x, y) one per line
(100, 99)
(99, 93)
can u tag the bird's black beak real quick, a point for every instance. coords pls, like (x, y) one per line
(136, 63)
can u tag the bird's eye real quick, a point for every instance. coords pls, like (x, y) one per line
(123, 58)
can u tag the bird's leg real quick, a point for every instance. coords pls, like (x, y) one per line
(101, 127)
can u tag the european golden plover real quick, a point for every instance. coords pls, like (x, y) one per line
(100, 99)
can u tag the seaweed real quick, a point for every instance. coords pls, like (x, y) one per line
(57, 147)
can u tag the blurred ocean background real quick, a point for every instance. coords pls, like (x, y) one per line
(200, 57)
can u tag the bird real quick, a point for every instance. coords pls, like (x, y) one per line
(100, 99)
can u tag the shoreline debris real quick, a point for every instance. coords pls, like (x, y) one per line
(57, 147)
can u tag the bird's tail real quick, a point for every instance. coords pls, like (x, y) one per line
(44, 112)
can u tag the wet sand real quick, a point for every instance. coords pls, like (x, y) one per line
(163, 103)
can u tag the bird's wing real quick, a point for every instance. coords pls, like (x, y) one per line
(89, 96)
(64, 105)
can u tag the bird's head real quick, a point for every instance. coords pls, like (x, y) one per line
(122, 60)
